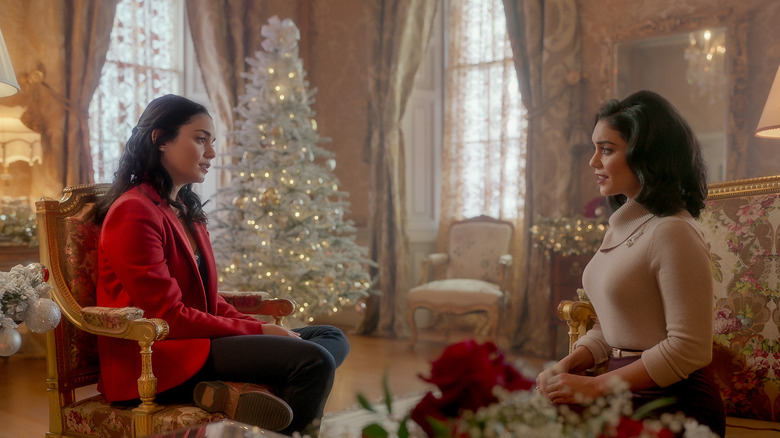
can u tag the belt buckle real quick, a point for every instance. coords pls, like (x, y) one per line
(620, 352)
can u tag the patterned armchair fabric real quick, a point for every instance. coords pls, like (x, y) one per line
(743, 231)
(475, 273)
(476, 249)
(68, 245)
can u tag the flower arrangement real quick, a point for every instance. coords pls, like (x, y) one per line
(18, 225)
(24, 298)
(481, 395)
(568, 235)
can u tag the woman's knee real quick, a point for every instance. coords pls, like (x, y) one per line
(332, 339)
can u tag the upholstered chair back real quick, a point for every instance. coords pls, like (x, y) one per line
(742, 227)
(475, 248)
(69, 250)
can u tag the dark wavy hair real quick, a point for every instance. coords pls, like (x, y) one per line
(662, 152)
(140, 160)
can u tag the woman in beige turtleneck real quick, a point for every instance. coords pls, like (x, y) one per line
(650, 281)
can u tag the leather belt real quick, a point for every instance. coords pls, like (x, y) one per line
(623, 352)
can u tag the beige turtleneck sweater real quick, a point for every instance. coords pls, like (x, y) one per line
(651, 286)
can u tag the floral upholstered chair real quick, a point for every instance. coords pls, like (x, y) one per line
(68, 248)
(475, 273)
(741, 223)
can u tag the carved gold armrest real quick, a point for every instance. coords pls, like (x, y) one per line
(129, 323)
(434, 260)
(579, 315)
(259, 303)
(123, 322)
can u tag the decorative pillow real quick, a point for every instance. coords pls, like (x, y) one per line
(742, 233)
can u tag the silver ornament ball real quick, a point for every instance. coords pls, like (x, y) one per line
(42, 316)
(10, 341)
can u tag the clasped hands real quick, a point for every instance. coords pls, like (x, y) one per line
(562, 387)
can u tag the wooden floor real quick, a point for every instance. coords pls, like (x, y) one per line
(24, 411)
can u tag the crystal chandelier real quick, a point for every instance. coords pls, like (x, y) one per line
(706, 62)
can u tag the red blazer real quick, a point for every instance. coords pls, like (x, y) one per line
(145, 260)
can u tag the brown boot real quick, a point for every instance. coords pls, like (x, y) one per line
(244, 402)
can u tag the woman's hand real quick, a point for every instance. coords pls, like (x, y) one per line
(565, 388)
(277, 330)
(545, 377)
(561, 383)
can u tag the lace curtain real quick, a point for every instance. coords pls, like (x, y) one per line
(141, 64)
(484, 150)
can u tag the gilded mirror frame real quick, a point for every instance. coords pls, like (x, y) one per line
(732, 18)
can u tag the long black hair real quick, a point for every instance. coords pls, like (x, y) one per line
(140, 160)
(662, 151)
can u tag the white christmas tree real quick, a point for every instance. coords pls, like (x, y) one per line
(279, 225)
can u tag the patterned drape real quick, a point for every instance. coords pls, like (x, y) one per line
(67, 41)
(403, 31)
(224, 33)
(545, 36)
(484, 147)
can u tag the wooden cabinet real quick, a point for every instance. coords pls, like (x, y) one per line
(12, 255)
(565, 279)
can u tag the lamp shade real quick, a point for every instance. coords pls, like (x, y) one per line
(8, 84)
(769, 125)
(17, 141)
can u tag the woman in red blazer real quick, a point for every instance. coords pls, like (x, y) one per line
(155, 254)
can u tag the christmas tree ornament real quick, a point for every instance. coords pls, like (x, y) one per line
(24, 298)
(240, 202)
(10, 341)
(43, 315)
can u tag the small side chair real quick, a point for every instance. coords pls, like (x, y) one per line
(476, 273)
(68, 239)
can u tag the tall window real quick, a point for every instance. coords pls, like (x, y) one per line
(484, 150)
(144, 61)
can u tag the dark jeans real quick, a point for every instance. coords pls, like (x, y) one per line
(697, 397)
(300, 371)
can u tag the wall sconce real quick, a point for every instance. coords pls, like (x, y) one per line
(8, 84)
(769, 124)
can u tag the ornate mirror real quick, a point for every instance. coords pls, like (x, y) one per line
(698, 62)
(689, 69)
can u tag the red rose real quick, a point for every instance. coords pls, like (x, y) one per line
(466, 374)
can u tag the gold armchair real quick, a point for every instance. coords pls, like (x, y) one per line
(68, 248)
(579, 315)
(476, 275)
